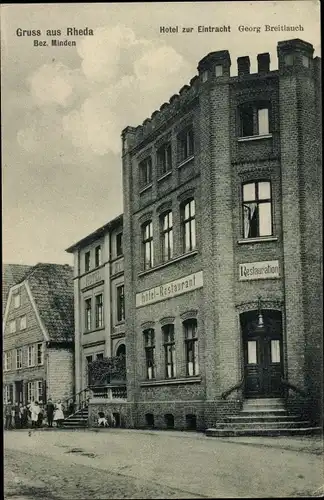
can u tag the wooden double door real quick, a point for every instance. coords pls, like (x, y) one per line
(263, 356)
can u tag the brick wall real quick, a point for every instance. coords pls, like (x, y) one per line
(60, 374)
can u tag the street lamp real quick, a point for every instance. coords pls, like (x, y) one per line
(260, 326)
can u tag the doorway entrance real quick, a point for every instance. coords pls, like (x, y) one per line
(19, 394)
(263, 358)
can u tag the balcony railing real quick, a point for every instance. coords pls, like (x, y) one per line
(109, 392)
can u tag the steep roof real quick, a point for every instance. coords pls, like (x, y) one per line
(11, 275)
(51, 286)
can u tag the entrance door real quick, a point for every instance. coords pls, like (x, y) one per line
(19, 395)
(263, 359)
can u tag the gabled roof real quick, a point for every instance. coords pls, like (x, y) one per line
(51, 286)
(117, 221)
(11, 275)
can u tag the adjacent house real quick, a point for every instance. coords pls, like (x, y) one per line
(11, 274)
(38, 335)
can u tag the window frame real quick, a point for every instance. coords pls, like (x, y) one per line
(31, 359)
(149, 348)
(87, 261)
(19, 356)
(98, 256)
(120, 303)
(166, 235)
(39, 384)
(40, 351)
(253, 108)
(258, 201)
(145, 169)
(99, 311)
(119, 245)
(88, 314)
(193, 341)
(168, 335)
(191, 222)
(17, 296)
(31, 391)
(164, 158)
(24, 317)
(186, 144)
(148, 245)
(7, 365)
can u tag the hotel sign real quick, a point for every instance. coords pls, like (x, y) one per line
(259, 270)
(92, 278)
(169, 290)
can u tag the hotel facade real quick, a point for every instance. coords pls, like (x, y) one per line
(222, 247)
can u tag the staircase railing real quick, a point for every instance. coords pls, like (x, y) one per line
(235, 387)
(76, 402)
(293, 387)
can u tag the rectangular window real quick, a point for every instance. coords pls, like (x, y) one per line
(145, 172)
(39, 390)
(186, 144)
(149, 342)
(40, 354)
(119, 244)
(87, 261)
(169, 350)
(257, 209)
(19, 358)
(23, 323)
(7, 361)
(99, 355)
(191, 347)
(218, 70)
(189, 226)
(275, 351)
(12, 326)
(8, 392)
(167, 236)
(254, 120)
(88, 311)
(252, 352)
(120, 303)
(147, 235)
(99, 311)
(31, 355)
(98, 261)
(164, 159)
(16, 300)
(30, 391)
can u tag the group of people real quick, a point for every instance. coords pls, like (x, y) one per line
(19, 416)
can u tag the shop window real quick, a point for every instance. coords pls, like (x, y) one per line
(169, 350)
(145, 172)
(257, 209)
(167, 236)
(254, 120)
(188, 212)
(149, 343)
(185, 144)
(169, 421)
(147, 242)
(164, 159)
(191, 347)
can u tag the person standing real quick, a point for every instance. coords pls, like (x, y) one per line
(16, 416)
(50, 408)
(23, 416)
(8, 415)
(58, 414)
(34, 409)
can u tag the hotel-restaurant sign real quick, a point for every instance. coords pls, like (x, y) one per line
(92, 279)
(259, 270)
(169, 290)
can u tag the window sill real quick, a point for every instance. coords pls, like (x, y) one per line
(254, 138)
(187, 160)
(146, 188)
(165, 176)
(94, 330)
(172, 381)
(262, 239)
(169, 262)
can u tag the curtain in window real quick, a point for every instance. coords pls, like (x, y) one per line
(250, 214)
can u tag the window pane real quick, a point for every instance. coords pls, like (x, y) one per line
(263, 120)
(252, 352)
(186, 211)
(193, 234)
(218, 70)
(247, 122)
(187, 236)
(190, 368)
(250, 211)
(264, 191)
(265, 219)
(249, 192)
(171, 244)
(192, 208)
(275, 351)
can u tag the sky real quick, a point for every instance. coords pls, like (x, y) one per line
(63, 108)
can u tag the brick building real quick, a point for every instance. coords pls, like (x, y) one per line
(99, 304)
(38, 338)
(222, 243)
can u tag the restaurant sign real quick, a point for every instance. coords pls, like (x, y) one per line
(92, 279)
(169, 290)
(268, 269)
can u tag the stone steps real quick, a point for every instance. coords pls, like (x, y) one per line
(78, 420)
(302, 431)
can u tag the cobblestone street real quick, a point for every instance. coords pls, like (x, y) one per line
(117, 463)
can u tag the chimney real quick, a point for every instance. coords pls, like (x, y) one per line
(243, 65)
(264, 62)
